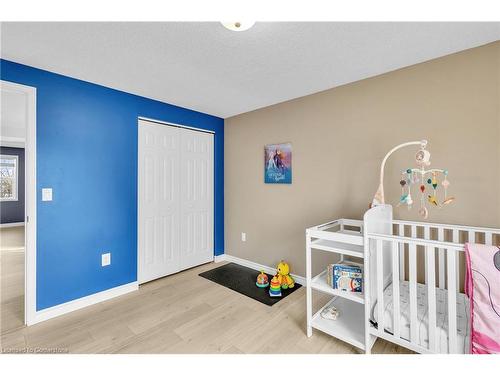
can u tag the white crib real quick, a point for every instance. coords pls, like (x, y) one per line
(430, 316)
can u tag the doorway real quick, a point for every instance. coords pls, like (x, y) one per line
(17, 204)
(175, 198)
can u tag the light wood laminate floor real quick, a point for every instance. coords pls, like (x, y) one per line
(11, 278)
(185, 313)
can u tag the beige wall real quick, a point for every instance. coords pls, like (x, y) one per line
(339, 137)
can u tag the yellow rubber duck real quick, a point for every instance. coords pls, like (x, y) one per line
(284, 278)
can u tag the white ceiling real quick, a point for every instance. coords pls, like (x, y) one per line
(203, 66)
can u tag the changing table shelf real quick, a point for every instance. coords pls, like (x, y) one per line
(348, 327)
(319, 283)
(338, 247)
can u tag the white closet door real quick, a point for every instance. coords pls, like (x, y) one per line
(197, 198)
(159, 200)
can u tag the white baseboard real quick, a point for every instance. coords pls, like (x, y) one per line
(80, 303)
(255, 266)
(219, 258)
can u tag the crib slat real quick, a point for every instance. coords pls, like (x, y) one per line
(427, 232)
(395, 289)
(380, 287)
(431, 295)
(471, 237)
(427, 236)
(452, 303)
(456, 239)
(441, 259)
(488, 238)
(412, 254)
(401, 253)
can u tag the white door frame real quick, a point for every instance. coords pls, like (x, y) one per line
(29, 200)
(173, 124)
(213, 166)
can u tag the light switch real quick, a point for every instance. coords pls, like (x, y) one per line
(46, 194)
(106, 259)
(243, 237)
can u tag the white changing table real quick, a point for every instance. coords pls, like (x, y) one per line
(344, 237)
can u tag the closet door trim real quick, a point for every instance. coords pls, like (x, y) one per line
(176, 125)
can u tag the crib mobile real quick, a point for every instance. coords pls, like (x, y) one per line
(427, 179)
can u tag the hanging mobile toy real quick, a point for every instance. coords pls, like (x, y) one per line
(414, 176)
(422, 158)
(433, 182)
(407, 179)
(445, 185)
(423, 210)
(404, 196)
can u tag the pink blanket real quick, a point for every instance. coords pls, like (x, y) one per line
(482, 285)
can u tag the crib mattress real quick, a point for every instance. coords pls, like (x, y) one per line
(423, 317)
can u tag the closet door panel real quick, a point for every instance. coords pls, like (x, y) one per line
(159, 201)
(197, 198)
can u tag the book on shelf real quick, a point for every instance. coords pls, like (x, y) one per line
(345, 276)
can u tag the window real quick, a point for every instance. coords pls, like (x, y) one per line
(8, 174)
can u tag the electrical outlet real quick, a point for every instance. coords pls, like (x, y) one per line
(243, 237)
(106, 259)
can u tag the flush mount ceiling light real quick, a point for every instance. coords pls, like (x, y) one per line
(238, 26)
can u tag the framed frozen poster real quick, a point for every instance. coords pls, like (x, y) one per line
(278, 163)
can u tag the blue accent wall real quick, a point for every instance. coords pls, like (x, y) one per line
(13, 211)
(87, 152)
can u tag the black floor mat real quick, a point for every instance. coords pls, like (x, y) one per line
(242, 280)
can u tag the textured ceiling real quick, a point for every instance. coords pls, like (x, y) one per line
(203, 66)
